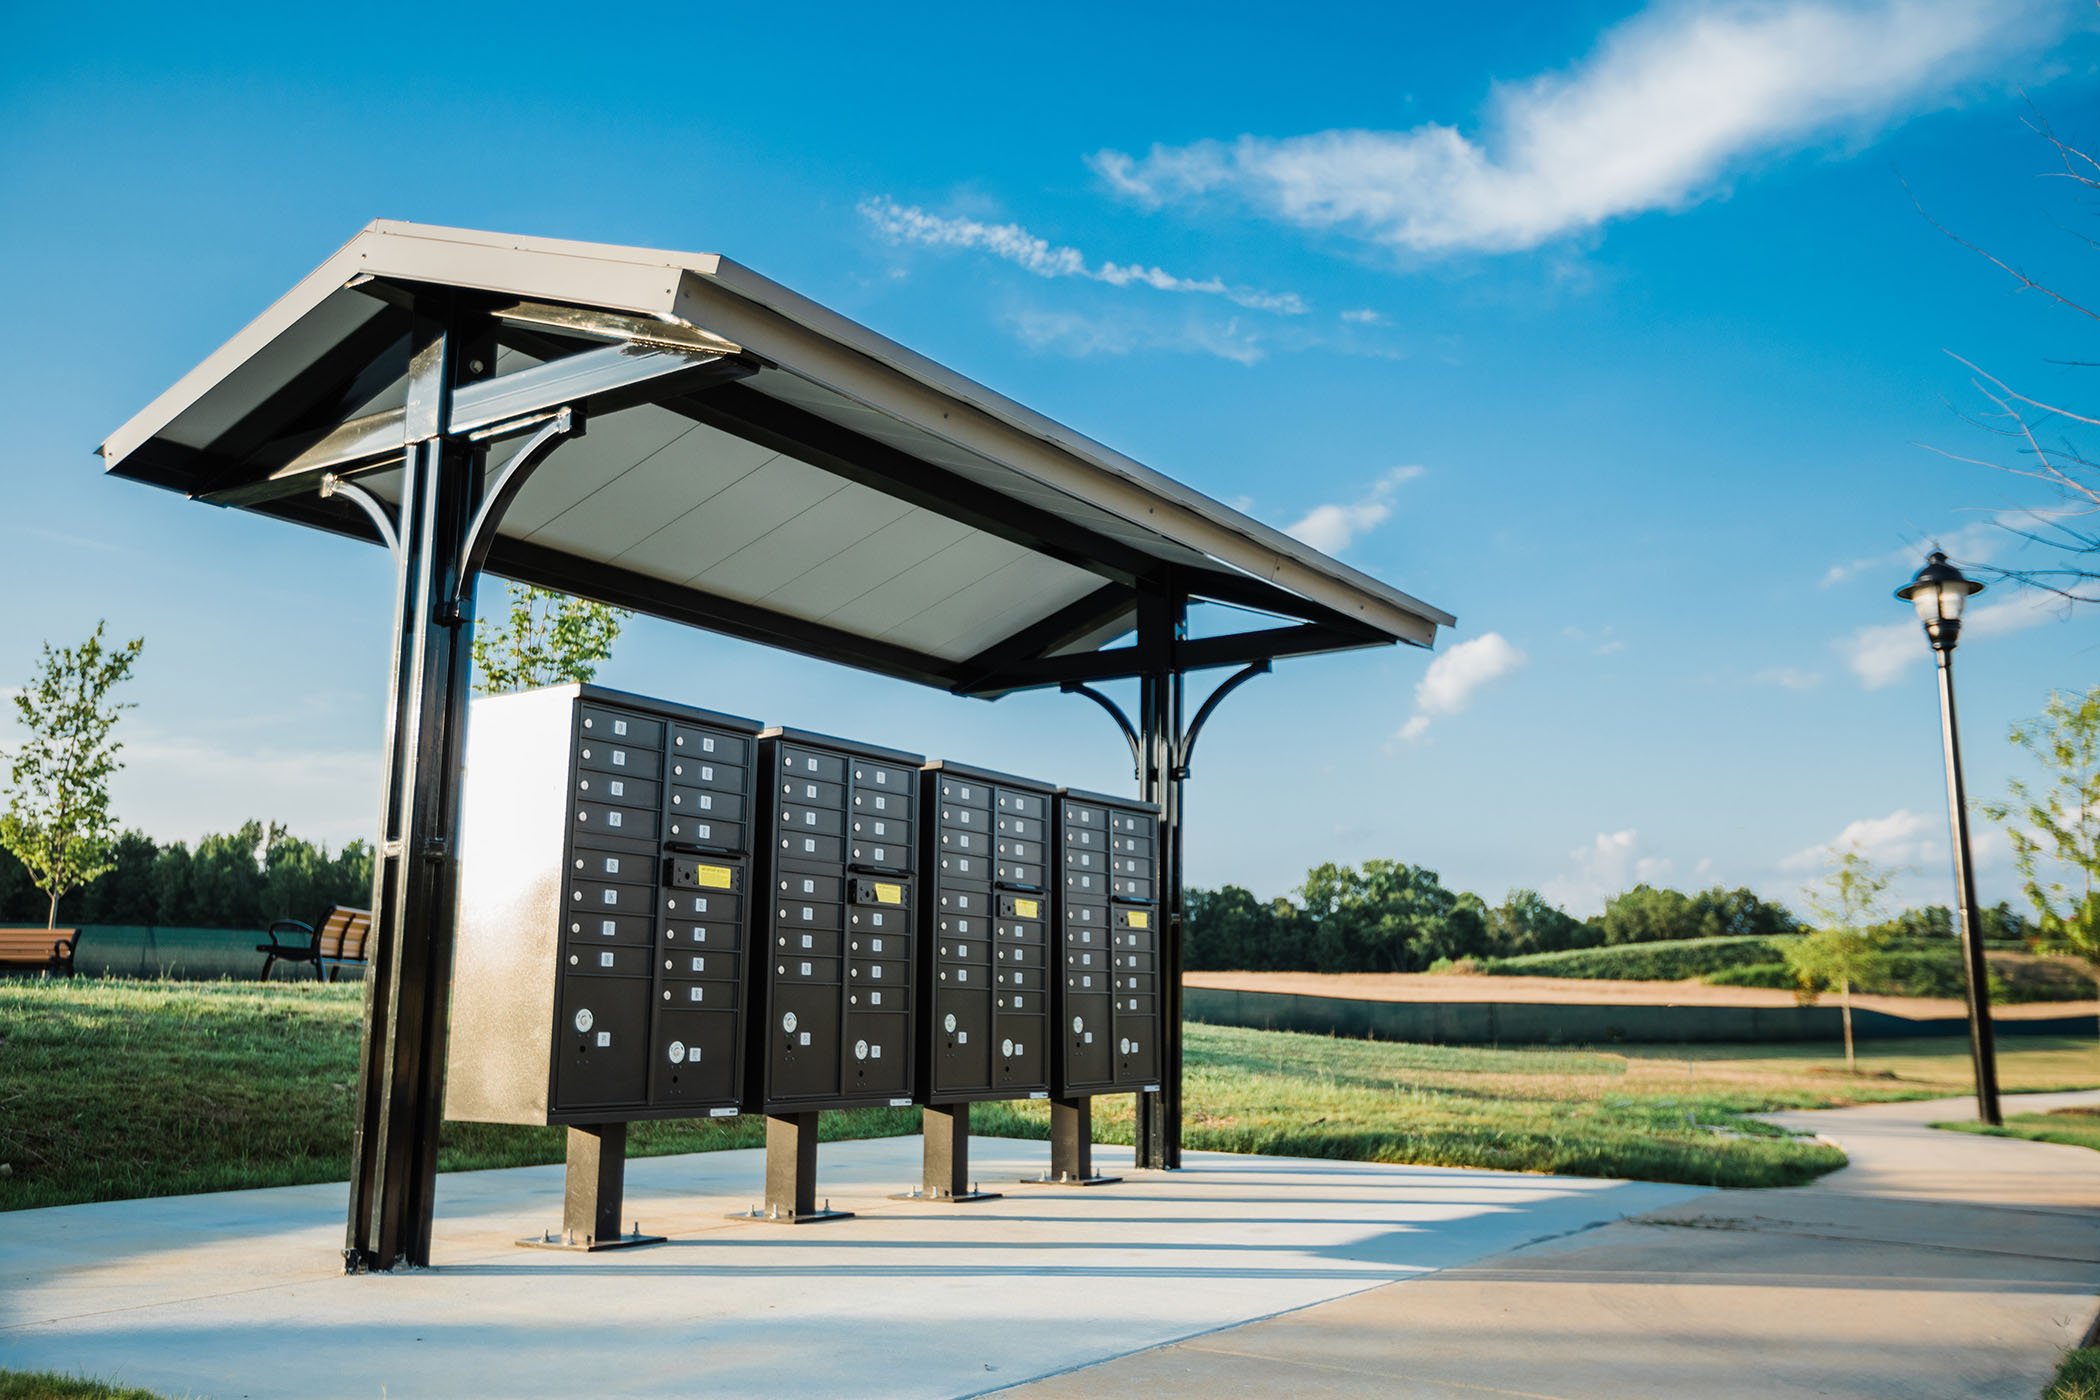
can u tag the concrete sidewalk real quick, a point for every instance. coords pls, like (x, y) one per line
(1935, 1264)
(240, 1294)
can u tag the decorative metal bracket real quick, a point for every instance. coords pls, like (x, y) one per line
(1115, 712)
(510, 479)
(1186, 750)
(371, 505)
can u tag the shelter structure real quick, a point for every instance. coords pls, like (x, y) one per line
(675, 434)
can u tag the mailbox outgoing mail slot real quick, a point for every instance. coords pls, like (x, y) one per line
(834, 987)
(597, 976)
(983, 936)
(1105, 950)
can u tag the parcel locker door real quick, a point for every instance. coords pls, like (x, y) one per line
(962, 1041)
(1137, 1043)
(1089, 1043)
(802, 1043)
(602, 1049)
(878, 1056)
(1023, 1062)
(694, 1058)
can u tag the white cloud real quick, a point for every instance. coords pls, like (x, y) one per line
(1454, 678)
(1067, 333)
(905, 223)
(1611, 863)
(177, 787)
(1882, 653)
(1789, 678)
(1902, 838)
(1668, 103)
(1364, 316)
(1332, 528)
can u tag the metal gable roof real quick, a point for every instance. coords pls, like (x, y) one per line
(845, 496)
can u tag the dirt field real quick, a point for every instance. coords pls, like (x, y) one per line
(1570, 991)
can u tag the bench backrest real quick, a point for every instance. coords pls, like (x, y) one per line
(33, 944)
(343, 933)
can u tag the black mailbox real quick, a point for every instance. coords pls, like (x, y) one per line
(984, 935)
(833, 994)
(604, 910)
(1106, 1005)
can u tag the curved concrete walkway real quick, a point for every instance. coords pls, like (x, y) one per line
(1936, 1264)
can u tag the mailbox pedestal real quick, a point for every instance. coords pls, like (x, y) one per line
(590, 1213)
(946, 1180)
(832, 985)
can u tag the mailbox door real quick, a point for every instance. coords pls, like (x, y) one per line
(962, 1041)
(878, 1055)
(695, 1058)
(603, 1049)
(803, 1041)
(1089, 1043)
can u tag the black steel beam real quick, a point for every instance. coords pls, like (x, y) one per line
(598, 381)
(1197, 654)
(1055, 632)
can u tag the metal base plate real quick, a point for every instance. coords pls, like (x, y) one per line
(942, 1199)
(1048, 1180)
(586, 1245)
(813, 1217)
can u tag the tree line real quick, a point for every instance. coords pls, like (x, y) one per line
(247, 879)
(1389, 916)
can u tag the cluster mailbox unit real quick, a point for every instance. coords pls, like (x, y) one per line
(988, 864)
(666, 912)
(604, 909)
(1106, 1005)
(833, 1000)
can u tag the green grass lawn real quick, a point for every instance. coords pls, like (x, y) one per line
(50, 1385)
(2077, 1377)
(122, 1089)
(2073, 1127)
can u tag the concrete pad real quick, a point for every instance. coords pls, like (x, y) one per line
(1939, 1265)
(239, 1294)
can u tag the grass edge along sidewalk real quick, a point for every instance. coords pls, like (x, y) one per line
(111, 1090)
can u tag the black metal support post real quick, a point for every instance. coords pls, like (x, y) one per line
(791, 1174)
(594, 1194)
(1982, 1047)
(946, 1177)
(401, 1073)
(1162, 619)
(1071, 1146)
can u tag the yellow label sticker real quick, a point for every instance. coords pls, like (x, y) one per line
(714, 877)
(1139, 918)
(888, 894)
(1027, 909)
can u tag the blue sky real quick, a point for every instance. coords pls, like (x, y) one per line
(1614, 331)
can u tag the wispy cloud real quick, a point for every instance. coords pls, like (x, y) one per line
(1973, 543)
(1069, 333)
(1880, 654)
(1668, 104)
(1789, 678)
(1334, 527)
(908, 223)
(1364, 316)
(1454, 678)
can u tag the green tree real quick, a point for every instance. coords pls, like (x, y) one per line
(57, 821)
(1845, 946)
(2055, 829)
(548, 638)
(1647, 914)
(1388, 917)
(1526, 922)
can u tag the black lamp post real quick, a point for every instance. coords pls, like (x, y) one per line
(1939, 592)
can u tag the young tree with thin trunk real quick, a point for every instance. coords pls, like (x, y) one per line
(2055, 831)
(547, 638)
(57, 821)
(1844, 946)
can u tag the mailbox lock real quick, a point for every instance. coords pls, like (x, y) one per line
(1006, 1048)
(949, 1023)
(1078, 1024)
(860, 1049)
(677, 1052)
(584, 1020)
(787, 1022)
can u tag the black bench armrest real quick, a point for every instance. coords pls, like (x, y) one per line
(292, 926)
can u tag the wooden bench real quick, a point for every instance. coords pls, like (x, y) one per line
(42, 950)
(338, 943)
